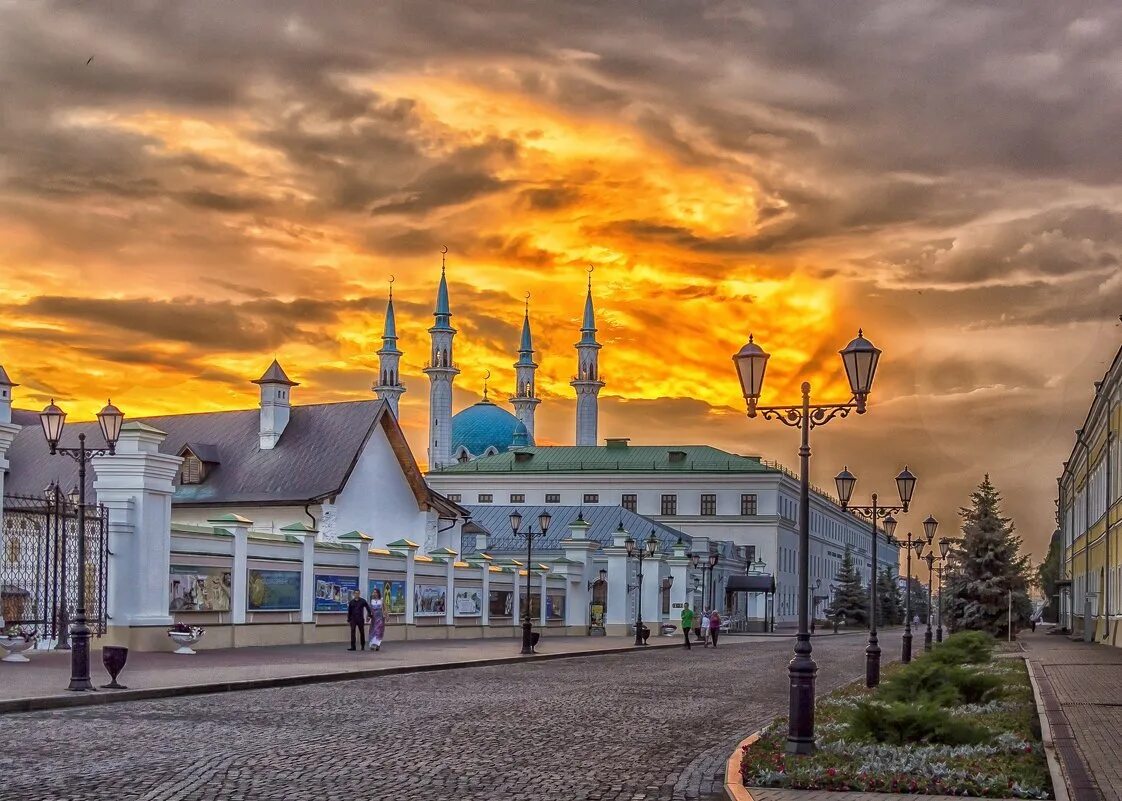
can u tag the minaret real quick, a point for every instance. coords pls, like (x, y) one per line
(525, 399)
(587, 382)
(441, 371)
(389, 386)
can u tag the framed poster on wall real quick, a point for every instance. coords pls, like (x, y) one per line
(554, 606)
(469, 602)
(430, 600)
(500, 603)
(273, 590)
(393, 595)
(198, 589)
(333, 592)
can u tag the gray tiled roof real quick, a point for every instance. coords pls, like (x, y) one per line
(313, 458)
(602, 524)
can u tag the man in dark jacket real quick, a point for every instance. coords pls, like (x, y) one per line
(357, 612)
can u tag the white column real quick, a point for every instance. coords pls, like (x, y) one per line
(239, 579)
(652, 597)
(450, 590)
(485, 580)
(679, 564)
(541, 605)
(410, 549)
(308, 579)
(137, 484)
(361, 542)
(8, 433)
(516, 587)
(617, 612)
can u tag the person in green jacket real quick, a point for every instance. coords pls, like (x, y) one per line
(687, 623)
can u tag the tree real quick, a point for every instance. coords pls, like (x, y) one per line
(986, 567)
(1048, 574)
(890, 602)
(851, 597)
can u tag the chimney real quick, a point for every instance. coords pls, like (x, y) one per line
(276, 404)
(5, 397)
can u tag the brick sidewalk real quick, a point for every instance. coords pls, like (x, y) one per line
(1081, 687)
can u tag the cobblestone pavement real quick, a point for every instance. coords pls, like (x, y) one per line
(1082, 695)
(639, 725)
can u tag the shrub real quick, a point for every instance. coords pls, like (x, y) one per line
(931, 682)
(900, 723)
(964, 647)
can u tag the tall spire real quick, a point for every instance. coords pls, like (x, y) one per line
(525, 399)
(587, 381)
(441, 371)
(389, 387)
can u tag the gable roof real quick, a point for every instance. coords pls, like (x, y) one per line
(312, 461)
(612, 459)
(602, 524)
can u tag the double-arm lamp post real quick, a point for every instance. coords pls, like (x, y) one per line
(905, 486)
(707, 577)
(860, 360)
(931, 559)
(515, 523)
(53, 419)
(929, 526)
(944, 549)
(641, 552)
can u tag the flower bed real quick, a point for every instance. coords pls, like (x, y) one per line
(938, 726)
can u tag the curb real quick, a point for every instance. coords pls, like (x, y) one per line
(49, 702)
(1055, 771)
(734, 789)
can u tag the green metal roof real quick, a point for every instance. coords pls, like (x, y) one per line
(613, 459)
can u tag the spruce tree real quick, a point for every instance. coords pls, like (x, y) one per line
(851, 597)
(986, 567)
(890, 602)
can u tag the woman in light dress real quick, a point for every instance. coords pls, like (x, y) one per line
(377, 619)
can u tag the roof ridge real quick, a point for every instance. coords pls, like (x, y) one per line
(254, 409)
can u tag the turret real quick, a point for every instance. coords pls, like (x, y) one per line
(276, 404)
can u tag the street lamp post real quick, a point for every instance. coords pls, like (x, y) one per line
(641, 553)
(714, 559)
(929, 526)
(930, 559)
(515, 523)
(814, 605)
(860, 359)
(53, 419)
(905, 486)
(944, 549)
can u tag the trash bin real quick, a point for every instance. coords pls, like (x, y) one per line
(534, 637)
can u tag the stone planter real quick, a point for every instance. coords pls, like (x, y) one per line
(15, 646)
(185, 639)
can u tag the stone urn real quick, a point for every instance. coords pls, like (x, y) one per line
(185, 637)
(15, 645)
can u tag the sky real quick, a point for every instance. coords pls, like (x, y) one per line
(188, 190)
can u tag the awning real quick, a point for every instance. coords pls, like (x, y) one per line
(759, 583)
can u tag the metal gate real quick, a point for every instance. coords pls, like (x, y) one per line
(39, 564)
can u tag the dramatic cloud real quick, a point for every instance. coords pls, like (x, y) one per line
(225, 183)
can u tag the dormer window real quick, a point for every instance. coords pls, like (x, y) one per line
(191, 471)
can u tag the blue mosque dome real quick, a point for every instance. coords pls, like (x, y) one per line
(486, 426)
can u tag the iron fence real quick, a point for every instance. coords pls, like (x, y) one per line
(39, 564)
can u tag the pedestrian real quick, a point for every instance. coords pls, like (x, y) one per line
(705, 627)
(714, 626)
(687, 623)
(357, 610)
(377, 619)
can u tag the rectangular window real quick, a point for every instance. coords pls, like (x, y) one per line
(590, 497)
(485, 497)
(554, 497)
(751, 553)
(629, 502)
(454, 497)
(517, 497)
(709, 504)
(748, 505)
(669, 504)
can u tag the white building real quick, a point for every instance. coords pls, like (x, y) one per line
(699, 490)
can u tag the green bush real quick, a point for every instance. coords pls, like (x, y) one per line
(901, 723)
(929, 681)
(964, 647)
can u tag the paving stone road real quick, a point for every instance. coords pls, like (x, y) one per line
(653, 725)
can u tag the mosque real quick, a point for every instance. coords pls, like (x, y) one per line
(485, 428)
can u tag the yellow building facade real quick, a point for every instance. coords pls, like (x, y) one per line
(1089, 511)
